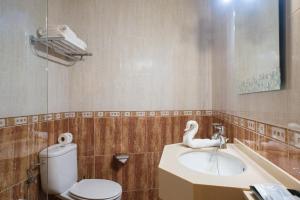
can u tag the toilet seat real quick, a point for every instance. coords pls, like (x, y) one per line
(96, 189)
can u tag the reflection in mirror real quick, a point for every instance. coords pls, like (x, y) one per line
(23, 76)
(23, 96)
(257, 45)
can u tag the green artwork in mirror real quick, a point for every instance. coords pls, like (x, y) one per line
(257, 45)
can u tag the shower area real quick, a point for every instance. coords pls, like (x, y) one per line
(24, 99)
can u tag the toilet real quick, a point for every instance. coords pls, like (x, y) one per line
(59, 177)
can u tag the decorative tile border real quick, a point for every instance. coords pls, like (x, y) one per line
(255, 134)
(114, 114)
(22, 120)
(278, 133)
(87, 114)
(72, 115)
(294, 138)
(126, 114)
(281, 134)
(187, 113)
(261, 128)
(242, 122)
(251, 125)
(2, 123)
(35, 119)
(151, 114)
(140, 114)
(236, 120)
(198, 113)
(58, 116)
(279, 145)
(48, 117)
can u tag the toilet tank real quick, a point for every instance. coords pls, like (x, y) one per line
(58, 168)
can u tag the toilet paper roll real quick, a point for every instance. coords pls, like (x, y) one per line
(70, 136)
(65, 138)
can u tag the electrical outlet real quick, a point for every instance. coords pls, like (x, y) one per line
(295, 139)
(2, 122)
(261, 129)
(251, 125)
(278, 133)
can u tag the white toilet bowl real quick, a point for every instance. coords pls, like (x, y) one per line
(93, 189)
(59, 177)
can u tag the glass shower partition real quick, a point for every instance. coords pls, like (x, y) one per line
(23, 99)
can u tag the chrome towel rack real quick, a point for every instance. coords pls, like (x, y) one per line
(61, 50)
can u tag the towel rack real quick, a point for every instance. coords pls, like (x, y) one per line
(61, 51)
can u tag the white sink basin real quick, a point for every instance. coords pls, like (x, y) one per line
(213, 163)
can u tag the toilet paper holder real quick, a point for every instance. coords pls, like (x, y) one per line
(122, 158)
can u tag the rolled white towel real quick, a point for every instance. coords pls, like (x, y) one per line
(190, 132)
(56, 31)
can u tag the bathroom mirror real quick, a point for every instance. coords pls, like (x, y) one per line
(23, 76)
(259, 45)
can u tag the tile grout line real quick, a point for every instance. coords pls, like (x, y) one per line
(256, 131)
(94, 150)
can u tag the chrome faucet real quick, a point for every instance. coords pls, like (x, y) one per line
(219, 135)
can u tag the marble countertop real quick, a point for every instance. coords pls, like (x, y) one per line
(253, 174)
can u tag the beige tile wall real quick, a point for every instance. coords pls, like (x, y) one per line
(152, 55)
(281, 148)
(58, 88)
(23, 78)
(281, 107)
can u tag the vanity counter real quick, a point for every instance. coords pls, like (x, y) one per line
(174, 176)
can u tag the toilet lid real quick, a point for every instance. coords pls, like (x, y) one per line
(96, 189)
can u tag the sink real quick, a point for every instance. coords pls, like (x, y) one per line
(212, 163)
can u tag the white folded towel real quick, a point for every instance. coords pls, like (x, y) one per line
(62, 31)
(190, 132)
